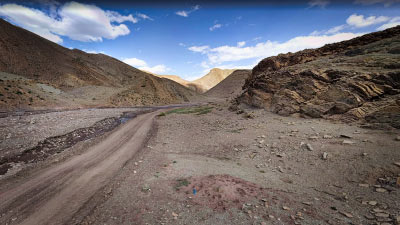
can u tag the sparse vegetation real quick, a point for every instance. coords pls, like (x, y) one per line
(190, 110)
(181, 183)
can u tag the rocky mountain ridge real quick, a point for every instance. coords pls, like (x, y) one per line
(354, 80)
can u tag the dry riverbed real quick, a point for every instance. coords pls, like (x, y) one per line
(31, 138)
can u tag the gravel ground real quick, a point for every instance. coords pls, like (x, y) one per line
(255, 171)
(18, 133)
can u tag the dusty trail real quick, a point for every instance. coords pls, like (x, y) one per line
(52, 195)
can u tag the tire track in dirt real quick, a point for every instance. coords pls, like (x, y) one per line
(52, 195)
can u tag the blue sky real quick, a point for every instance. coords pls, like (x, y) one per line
(188, 39)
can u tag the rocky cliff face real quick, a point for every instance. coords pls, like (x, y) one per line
(355, 80)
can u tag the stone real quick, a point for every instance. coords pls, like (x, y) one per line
(383, 215)
(377, 210)
(324, 156)
(397, 164)
(285, 208)
(380, 190)
(307, 203)
(313, 137)
(397, 138)
(347, 142)
(327, 137)
(348, 215)
(345, 136)
(363, 185)
(373, 203)
(175, 215)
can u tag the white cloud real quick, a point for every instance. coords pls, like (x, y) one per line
(144, 16)
(386, 3)
(93, 51)
(227, 53)
(241, 43)
(202, 49)
(185, 13)
(116, 17)
(359, 20)
(135, 62)
(215, 26)
(336, 29)
(318, 3)
(392, 23)
(142, 65)
(77, 21)
(158, 69)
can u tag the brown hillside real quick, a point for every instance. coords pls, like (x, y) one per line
(355, 80)
(231, 86)
(81, 79)
(183, 82)
(212, 78)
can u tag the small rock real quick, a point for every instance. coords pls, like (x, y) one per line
(324, 156)
(285, 208)
(347, 142)
(370, 217)
(383, 215)
(363, 185)
(397, 164)
(373, 203)
(307, 203)
(364, 154)
(313, 137)
(327, 137)
(308, 146)
(175, 215)
(271, 216)
(377, 210)
(380, 190)
(397, 138)
(134, 172)
(345, 136)
(348, 215)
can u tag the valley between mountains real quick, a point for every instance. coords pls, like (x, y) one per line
(310, 137)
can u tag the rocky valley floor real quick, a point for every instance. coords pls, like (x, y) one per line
(214, 166)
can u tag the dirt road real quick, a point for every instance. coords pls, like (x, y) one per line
(52, 195)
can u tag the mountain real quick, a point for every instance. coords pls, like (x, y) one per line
(356, 80)
(212, 78)
(183, 82)
(231, 86)
(204, 83)
(36, 72)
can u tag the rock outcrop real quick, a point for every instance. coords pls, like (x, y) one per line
(355, 80)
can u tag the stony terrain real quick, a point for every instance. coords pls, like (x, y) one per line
(355, 80)
(224, 168)
(49, 75)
